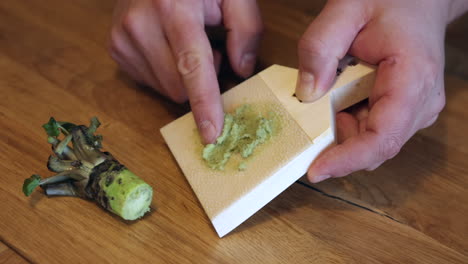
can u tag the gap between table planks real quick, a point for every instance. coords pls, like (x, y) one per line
(9, 256)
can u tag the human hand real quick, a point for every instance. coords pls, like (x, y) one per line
(406, 40)
(163, 44)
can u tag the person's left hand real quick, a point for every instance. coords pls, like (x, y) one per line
(406, 40)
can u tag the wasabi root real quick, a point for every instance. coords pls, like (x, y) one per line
(86, 172)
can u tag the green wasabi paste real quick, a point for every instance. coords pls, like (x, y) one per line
(244, 130)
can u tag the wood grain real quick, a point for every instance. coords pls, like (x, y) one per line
(8, 256)
(53, 61)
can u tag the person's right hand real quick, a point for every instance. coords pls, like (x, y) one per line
(163, 44)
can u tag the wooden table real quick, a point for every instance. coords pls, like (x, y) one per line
(53, 61)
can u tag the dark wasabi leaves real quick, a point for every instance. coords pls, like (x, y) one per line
(30, 184)
(66, 127)
(53, 127)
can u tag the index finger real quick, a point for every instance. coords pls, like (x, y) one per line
(194, 58)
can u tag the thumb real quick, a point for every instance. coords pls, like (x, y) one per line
(324, 43)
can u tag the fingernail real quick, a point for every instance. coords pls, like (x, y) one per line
(208, 132)
(247, 64)
(305, 89)
(320, 178)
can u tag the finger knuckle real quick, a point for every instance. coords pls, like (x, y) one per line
(188, 63)
(390, 147)
(131, 22)
(165, 9)
(255, 29)
(311, 47)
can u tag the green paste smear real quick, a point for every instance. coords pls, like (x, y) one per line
(244, 130)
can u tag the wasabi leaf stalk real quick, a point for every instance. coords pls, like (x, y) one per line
(86, 172)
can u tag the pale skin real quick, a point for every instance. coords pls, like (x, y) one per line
(162, 43)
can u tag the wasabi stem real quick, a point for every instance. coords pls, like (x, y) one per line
(57, 165)
(84, 171)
